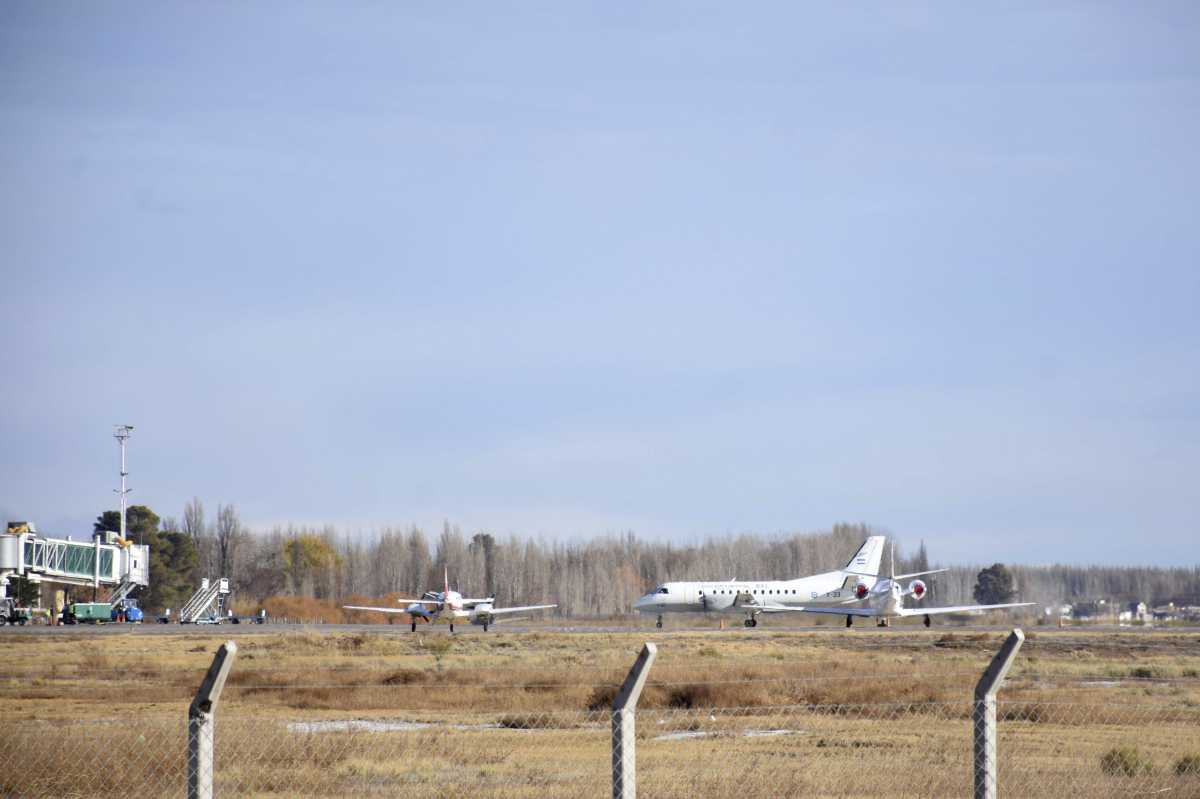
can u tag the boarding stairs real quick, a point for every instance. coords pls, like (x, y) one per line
(205, 602)
(122, 591)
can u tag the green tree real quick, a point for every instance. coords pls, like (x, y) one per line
(305, 558)
(994, 585)
(173, 557)
(23, 590)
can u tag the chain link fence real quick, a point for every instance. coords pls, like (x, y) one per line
(1053, 739)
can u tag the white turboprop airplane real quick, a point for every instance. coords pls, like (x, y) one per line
(447, 607)
(754, 597)
(885, 601)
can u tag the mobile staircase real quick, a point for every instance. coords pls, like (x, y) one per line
(122, 592)
(206, 602)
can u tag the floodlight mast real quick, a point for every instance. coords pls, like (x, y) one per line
(121, 434)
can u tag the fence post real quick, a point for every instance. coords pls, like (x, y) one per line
(624, 754)
(985, 715)
(201, 717)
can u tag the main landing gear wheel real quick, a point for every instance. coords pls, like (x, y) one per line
(849, 621)
(451, 628)
(884, 622)
(485, 627)
(659, 622)
(751, 622)
(414, 626)
(927, 620)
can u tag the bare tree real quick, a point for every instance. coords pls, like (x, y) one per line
(228, 534)
(193, 525)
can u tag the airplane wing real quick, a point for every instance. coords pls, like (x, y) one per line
(502, 611)
(961, 609)
(802, 609)
(836, 611)
(377, 610)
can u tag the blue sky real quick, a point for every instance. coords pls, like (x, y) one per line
(566, 269)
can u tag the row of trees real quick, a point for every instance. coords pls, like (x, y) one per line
(598, 576)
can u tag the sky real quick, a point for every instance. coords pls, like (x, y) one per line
(566, 269)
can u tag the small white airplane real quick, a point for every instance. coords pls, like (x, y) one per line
(754, 597)
(885, 600)
(447, 607)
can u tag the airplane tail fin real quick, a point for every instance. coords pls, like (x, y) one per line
(868, 557)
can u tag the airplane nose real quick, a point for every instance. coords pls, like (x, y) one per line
(642, 602)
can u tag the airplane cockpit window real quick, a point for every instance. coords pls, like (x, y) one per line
(662, 590)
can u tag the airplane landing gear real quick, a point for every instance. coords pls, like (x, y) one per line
(751, 622)
(414, 626)
(884, 622)
(849, 622)
(451, 628)
(927, 621)
(659, 622)
(485, 626)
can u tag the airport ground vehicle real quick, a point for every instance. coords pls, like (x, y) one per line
(90, 612)
(127, 610)
(11, 614)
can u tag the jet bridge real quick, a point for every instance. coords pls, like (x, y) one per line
(107, 560)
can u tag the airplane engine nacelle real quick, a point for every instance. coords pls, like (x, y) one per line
(917, 589)
(481, 614)
(861, 591)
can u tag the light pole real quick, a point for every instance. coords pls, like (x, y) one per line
(121, 434)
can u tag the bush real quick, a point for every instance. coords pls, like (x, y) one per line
(1188, 766)
(1125, 761)
(691, 696)
(602, 697)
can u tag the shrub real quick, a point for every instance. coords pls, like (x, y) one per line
(1188, 766)
(691, 696)
(529, 721)
(1125, 761)
(1142, 672)
(602, 697)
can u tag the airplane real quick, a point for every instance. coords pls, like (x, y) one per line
(755, 597)
(448, 606)
(885, 600)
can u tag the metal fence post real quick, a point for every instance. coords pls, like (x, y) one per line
(985, 715)
(624, 754)
(201, 717)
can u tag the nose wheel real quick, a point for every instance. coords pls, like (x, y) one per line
(659, 622)
(849, 622)
(751, 622)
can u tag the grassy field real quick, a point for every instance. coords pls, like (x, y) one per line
(757, 713)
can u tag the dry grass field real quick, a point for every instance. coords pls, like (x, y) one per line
(752, 713)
